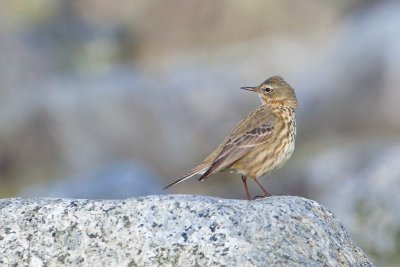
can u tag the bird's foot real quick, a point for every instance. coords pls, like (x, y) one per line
(264, 196)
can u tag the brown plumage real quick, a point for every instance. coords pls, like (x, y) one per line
(261, 142)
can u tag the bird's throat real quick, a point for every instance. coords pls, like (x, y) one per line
(279, 103)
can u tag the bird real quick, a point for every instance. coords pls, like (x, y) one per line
(263, 141)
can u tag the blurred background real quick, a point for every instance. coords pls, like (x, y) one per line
(106, 100)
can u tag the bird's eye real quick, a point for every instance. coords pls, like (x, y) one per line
(267, 89)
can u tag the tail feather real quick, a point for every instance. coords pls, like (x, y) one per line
(187, 176)
(215, 167)
(204, 176)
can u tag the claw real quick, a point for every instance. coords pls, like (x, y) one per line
(260, 197)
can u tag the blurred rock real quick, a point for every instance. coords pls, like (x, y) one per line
(113, 182)
(71, 123)
(354, 81)
(174, 230)
(365, 199)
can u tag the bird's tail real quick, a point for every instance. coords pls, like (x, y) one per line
(187, 176)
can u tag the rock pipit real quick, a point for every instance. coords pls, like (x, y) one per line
(261, 142)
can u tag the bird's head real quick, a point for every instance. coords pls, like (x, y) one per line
(274, 92)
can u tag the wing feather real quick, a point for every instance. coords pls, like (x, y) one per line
(241, 142)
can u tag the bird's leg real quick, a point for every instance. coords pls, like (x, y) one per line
(244, 178)
(266, 194)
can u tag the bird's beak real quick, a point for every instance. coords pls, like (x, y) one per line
(252, 89)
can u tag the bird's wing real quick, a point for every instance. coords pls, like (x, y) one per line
(254, 130)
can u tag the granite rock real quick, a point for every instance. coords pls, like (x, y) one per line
(173, 230)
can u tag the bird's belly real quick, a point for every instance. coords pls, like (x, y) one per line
(285, 155)
(269, 156)
(264, 159)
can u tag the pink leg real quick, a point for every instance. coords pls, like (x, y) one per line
(244, 178)
(266, 194)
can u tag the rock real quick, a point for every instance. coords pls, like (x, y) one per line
(173, 230)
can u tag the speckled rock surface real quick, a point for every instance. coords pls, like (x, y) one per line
(173, 230)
